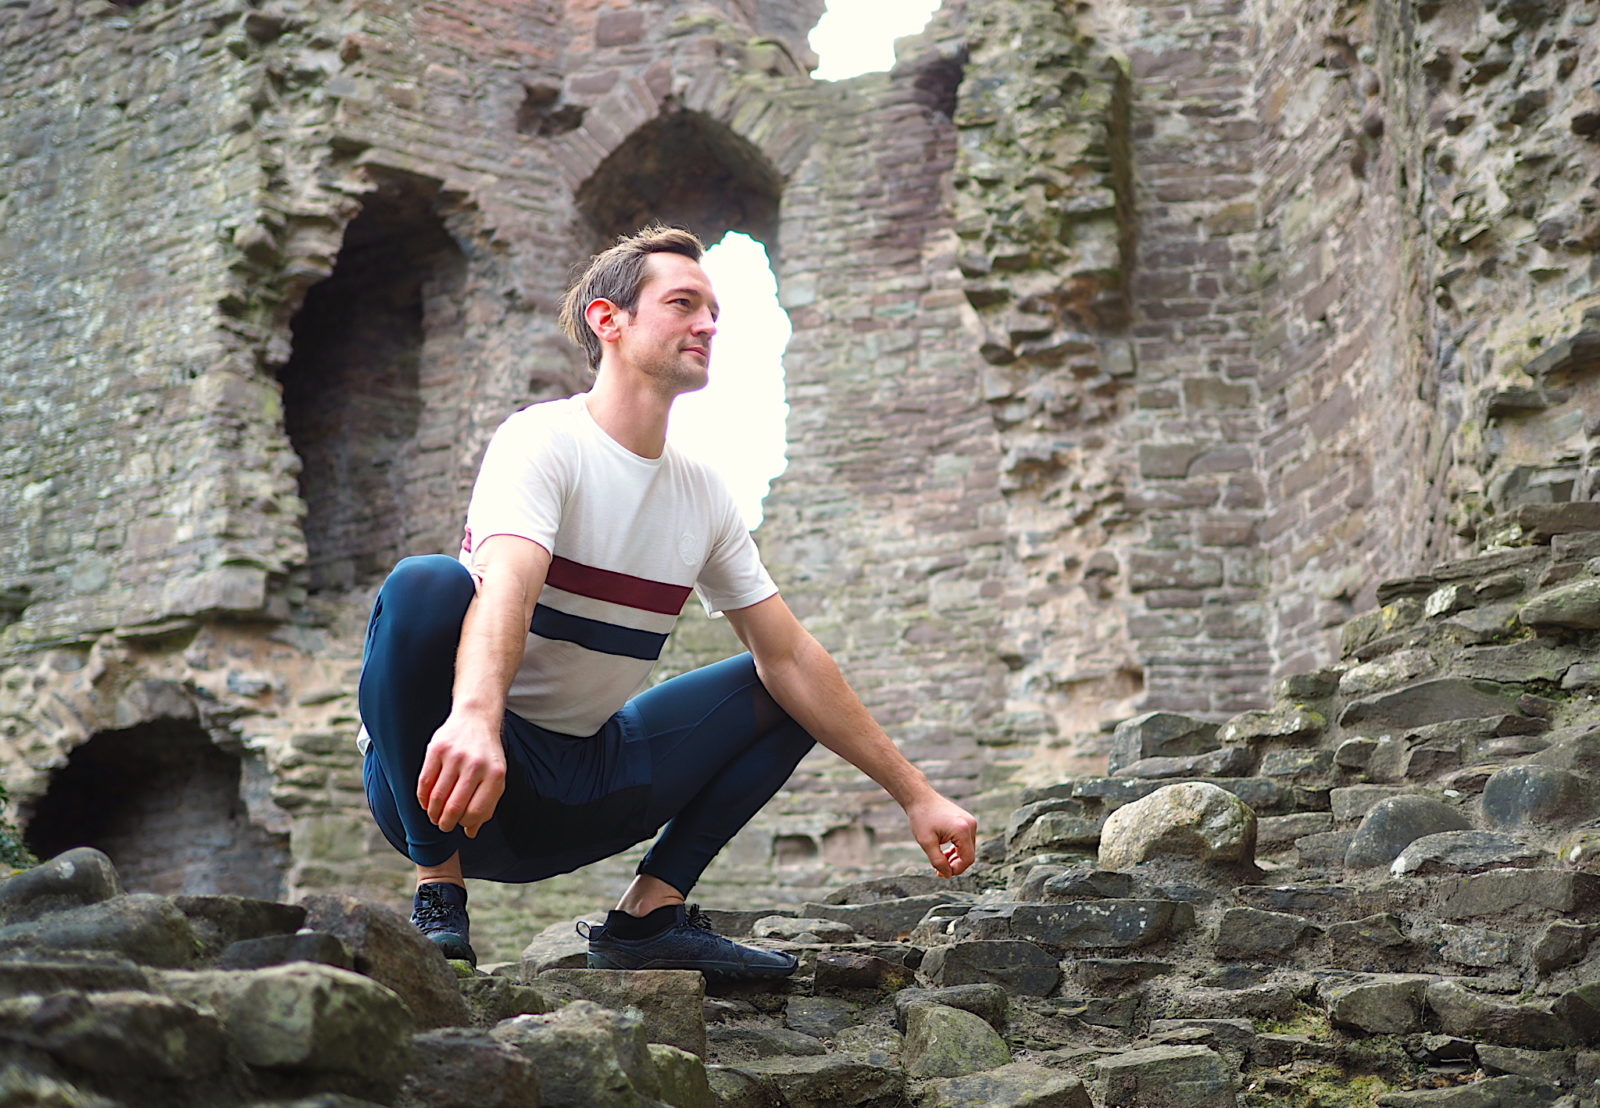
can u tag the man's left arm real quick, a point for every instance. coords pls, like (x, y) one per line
(805, 681)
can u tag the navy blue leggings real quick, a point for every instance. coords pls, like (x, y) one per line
(698, 755)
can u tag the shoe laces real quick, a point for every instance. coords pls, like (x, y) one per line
(694, 917)
(433, 908)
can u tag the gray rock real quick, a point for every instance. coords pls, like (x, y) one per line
(1394, 824)
(1519, 893)
(1466, 852)
(122, 1035)
(348, 1029)
(26, 1089)
(492, 999)
(1380, 1004)
(879, 1043)
(1191, 820)
(672, 1002)
(903, 885)
(458, 1067)
(1562, 943)
(1095, 924)
(821, 1017)
(947, 1042)
(220, 921)
(1552, 1067)
(1021, 967)
(145, 929)
(40, 976)
(1018, 1085)
(1492, 1092)
(801, 929)
(1051, 832)
(389, 950)
(854, 971)
(1308, 766)
(1388, 672)
(988, 1002)
(1292, 724)
(586, 1056)
(1160, 734)
(1577, 750)
(1250, 933)
(1536, 795)
(1085, 882)
(1165, 1077)
(1477, 946)
(829, 1081)
(71, 879)
(1428, 702)
(1351, 802)
(278, 950)
(1514, 663)
(1325, 848)
(1282, 831)
(681, 1078)
(559, 946)
(732, 1043)
(1487, 1019)
(887, 920)
(1580, 1008)
(1571, 607)
(1232, 761)
(1116, 975)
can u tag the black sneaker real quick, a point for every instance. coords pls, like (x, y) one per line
(689, 943)
(439, 911)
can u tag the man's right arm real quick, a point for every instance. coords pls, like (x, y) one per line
(463, 773)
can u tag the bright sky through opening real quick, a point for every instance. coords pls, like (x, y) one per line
(736, 423)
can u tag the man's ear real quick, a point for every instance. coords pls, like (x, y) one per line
(604, 319)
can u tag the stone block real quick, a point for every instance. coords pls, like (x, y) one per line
(389, 950)
(146, 929)
(762, 1042)
(1100, 924)
(71, 879)
(492, 999)
(830, 1081)
(1021, 967)
(1160, 734)
(1394, 823)
(1249, 933)
(852, 971)
(119, 1035)
(1288, 725)
(1491, 1092)
(1520, 893)
(681, 1078)
(986, 1000)
(672, 1002)
(1191, 820)
(1571, 607)
(455, 1067)
(1466, 852)
(1429, 702)
(886, 920)
(948, 1042)
(1484, 1018)
(278, 950)
(586, 1055)
(1018, 1085)
(821, 1017)
(1165, 1077)
(1381, 1004)
(1536, 796)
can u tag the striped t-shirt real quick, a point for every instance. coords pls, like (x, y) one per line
(629, 537)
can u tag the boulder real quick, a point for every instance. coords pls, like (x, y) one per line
(672, 1002)
(1160, 735)
(559, 946)
(492, 999)
(147, 930)
(1192, 820)
(1536, 796)
(1378, 1004)
(1465, 852)
(988, 1002)
(1395, 823)
(389, 950)
(947, 1042)
(1018, 1085)
(1571, 607)
(1165, 1077)
(119, 1035)
(586, 1055)
(458, 1067)
(828, 1081)
(71, 879)
(681, 1078)
(1021, 967)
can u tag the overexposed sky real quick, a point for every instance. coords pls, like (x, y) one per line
(736, 423)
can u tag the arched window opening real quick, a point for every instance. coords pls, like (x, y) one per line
(163, 801)
(686, 169)
(355, 384)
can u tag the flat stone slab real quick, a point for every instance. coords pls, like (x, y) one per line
(828, 1081)
(1166, 1077)
(671, 1001)
(1429, 702)
(885, 920)
(1522, 892)
(1083, 925)
(1466, 852)
(1019, 1085)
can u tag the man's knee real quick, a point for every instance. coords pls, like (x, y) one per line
(428, 580)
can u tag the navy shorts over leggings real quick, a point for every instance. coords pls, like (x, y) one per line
(694, 758)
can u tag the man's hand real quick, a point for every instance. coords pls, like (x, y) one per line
(946, 832)
(463, 775)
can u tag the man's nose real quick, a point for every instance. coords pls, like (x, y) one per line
(706, 325)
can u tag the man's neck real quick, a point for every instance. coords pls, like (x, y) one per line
(635, 417)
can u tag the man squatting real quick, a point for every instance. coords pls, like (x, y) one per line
(505, 739)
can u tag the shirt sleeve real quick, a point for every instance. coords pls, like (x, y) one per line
(733, 576)
(523, 484)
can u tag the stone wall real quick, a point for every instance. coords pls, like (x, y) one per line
(1132, 346)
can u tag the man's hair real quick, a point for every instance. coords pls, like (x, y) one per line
(617, 275)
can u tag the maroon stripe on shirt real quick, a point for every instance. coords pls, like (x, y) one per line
(617, 588)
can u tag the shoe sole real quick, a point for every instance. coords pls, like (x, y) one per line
(721, 971)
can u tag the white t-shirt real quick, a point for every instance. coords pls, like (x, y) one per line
(630, 538)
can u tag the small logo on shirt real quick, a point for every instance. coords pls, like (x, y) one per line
(688, 549)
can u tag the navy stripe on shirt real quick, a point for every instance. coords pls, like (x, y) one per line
(597, 635)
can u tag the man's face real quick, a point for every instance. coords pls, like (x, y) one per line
(668, 336)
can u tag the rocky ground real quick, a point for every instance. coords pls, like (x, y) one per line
(1384, 890)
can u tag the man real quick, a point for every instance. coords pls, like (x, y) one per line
(499, 689)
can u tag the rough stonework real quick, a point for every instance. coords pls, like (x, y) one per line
(1134, 345)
